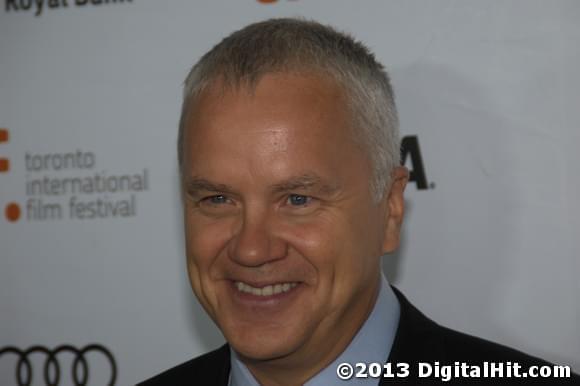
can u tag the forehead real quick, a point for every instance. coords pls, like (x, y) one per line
(289, 124)
(274, 96)
(312, 103)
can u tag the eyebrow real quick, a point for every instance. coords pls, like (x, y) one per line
(195, 185)
(305, 182)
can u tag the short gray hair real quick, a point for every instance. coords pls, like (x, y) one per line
(301, 46)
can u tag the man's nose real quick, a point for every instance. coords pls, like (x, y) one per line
(255, 242)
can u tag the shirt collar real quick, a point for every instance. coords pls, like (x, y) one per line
(372, 343)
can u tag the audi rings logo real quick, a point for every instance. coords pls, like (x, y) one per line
(53, 363)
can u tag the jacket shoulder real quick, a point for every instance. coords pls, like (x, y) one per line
(462, 346)
(212, 368)
(420, 339)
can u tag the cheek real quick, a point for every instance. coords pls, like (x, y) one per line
(341, 250)
(204, 242)
(205, 238)
(330, 245)
(316, 240)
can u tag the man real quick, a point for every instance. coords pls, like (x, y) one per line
(292, 191)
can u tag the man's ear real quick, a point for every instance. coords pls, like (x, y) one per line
(395, 208)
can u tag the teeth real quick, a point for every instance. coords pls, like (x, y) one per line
(268, 290)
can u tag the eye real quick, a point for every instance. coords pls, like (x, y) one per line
(215, 200)
(299, 200)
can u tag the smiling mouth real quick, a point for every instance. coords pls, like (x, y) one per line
(268, 290)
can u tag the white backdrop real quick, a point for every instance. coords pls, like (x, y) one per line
(490, 89)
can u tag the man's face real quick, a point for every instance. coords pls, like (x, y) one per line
(283, 236)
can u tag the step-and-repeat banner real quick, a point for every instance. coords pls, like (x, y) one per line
(93, 287)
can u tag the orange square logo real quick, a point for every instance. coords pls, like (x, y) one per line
(3, 135)
(4, 165)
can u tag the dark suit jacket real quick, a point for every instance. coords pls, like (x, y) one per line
(418, 339)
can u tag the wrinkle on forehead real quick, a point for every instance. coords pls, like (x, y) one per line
(304, 182)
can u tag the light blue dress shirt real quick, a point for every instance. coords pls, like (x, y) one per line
(372, 343)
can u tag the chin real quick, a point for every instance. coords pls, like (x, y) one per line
(263, 347)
